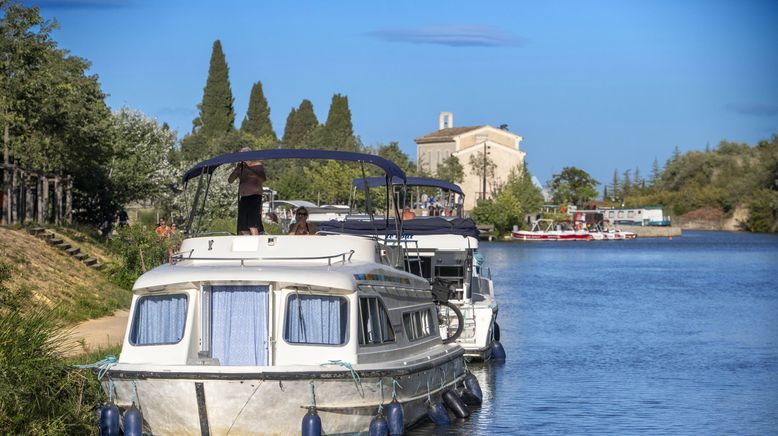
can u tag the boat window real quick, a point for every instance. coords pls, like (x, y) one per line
(374, 325)
(159, 320)
(316, 319)
(239, 324)
(418, 324)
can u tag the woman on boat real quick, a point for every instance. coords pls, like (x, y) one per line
(301, 225)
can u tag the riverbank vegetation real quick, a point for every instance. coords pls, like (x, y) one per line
(725, 178)
(40, 393)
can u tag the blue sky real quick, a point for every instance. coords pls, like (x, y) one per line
(597, 85)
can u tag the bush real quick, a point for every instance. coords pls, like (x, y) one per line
(39, 393)
(140, 250)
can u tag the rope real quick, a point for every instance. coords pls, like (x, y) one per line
(135, 394)
(110, 390)
(394, 388)
(381, 388)
(103, 365)
(313, 394)
(429, 397)
(244, 406)
(354, 374)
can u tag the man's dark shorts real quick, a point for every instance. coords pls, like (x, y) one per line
(249, 208)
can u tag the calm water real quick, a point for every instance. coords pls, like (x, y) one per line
(652, 336)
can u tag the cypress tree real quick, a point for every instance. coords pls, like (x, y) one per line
(338, 131)
(217, 116)
(257, 121)
(300, 126)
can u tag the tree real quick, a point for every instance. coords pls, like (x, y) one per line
(482, 167)
(338, 131)
(300, 126)
(52, 114)
(330, 182)
(626, 184)
(573, 185)
(394, 153)
(217, 116)
(257, 121)
(139, 168)
(615, 186)
(656, 174)
(451, 170)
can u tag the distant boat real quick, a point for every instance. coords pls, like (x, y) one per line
(543, 230)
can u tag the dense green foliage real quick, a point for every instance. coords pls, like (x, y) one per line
(514, 200)
(300, 126)
(257, 121)
(213, 131)
(139, 249)
(39, 393)
(337, 133)
(52, 111)
(572, 186)
(451, 169)
(727, 177)
(217, 116)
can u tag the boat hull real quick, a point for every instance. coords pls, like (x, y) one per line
(551, 236)
(189, 403)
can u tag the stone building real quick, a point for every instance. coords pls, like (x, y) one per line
(501, 146)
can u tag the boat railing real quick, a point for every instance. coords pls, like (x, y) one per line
(345, 257)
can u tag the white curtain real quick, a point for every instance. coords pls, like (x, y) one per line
(316, 319)
(159, 319)
(239, 324)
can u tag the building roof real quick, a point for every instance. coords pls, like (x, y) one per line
(444, 135)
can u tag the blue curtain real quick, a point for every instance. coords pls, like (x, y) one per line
(316, 319)
(239, 325)
(159, 319)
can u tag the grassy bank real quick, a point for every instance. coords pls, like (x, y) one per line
(59, 282)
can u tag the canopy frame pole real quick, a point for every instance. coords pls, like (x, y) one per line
(190, 221)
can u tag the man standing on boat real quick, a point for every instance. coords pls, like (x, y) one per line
(252, 175)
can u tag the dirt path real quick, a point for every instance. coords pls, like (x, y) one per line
(99, 333)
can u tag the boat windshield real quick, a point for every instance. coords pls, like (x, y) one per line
(419, 196)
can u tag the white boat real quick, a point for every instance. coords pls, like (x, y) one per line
(444, 249)
(246, 334)
(544, 230)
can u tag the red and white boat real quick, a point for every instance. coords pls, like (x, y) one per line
(543, 230)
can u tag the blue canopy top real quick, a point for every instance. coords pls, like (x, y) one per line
(419, 226)
(208, 166)
(373, 182)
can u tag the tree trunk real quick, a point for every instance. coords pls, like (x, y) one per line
(46, 203)
(14, 196)
(29, 200)
(69, 200)
(6, 216)
(57, 200)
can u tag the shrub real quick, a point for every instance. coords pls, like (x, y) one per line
(39, 393)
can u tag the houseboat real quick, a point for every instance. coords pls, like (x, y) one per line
(444, 251)
(248, 334)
